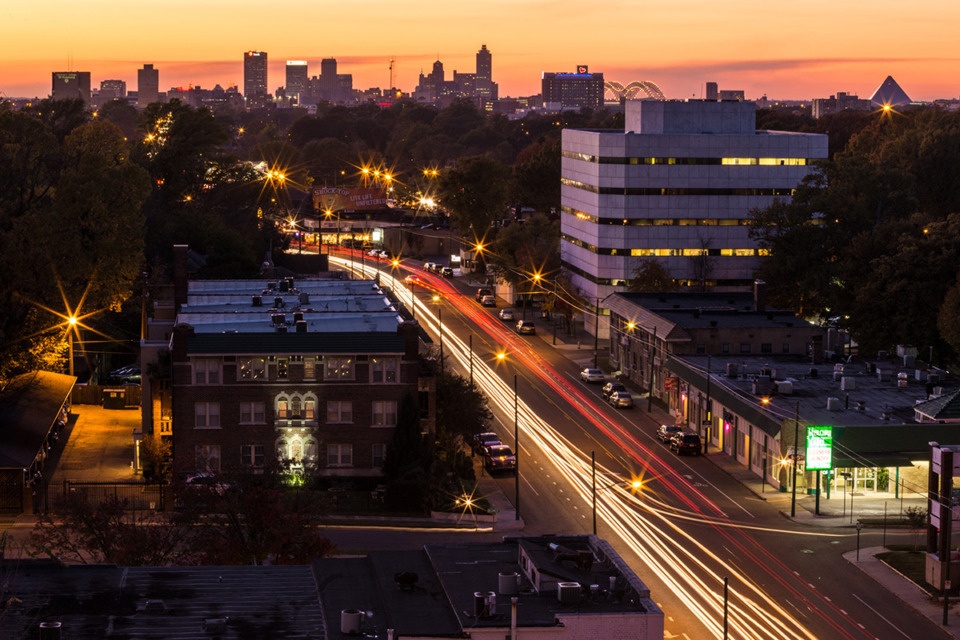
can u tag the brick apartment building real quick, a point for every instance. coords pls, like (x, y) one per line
(313, 371)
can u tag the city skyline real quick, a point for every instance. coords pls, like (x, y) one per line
(793, 53)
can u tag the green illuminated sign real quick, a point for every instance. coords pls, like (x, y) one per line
(819, 448)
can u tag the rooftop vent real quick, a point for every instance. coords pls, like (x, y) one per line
(257, 301)
(284, 286)
(271, 286)
(304, 297)
(301, 326)
(508, 583)
(297, 316)
(350, 621)
(278, 302)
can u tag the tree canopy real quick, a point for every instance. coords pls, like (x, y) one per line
(869, 241)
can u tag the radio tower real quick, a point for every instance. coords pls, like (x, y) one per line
(391, 73)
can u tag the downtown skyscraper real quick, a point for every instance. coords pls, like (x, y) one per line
(255, 76)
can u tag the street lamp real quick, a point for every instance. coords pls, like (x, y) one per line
(72, 322)
(635, 485)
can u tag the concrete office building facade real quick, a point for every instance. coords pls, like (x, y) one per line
(677, 185)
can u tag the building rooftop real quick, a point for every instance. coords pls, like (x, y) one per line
(29, 406)
(168, 603)
(262, 306)
(444, 590)
(863, 392)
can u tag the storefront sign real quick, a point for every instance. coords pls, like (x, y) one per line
(819, 448)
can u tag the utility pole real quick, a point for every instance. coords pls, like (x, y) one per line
(516, 443)
(596, 333)
(796, 455)
(653, 346)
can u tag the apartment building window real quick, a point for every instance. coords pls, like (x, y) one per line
(252, 413)
(786, 347)
(725, 348)
(339, 455)
(339, 411)
(283, 409)
(766, 347)
(701, 348)
(252, 369)
(207, 457)
(283, 368)
(744, 347)
(309, 409)
(206, 371)
(309, 368)
(251, 455)
(338, 369)
(383, 369)
(379, 453)
(384, 413)
(206, 415)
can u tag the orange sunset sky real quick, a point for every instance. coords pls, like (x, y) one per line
(797, 50)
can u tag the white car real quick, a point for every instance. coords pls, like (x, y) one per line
(591, 375)
(506, 315)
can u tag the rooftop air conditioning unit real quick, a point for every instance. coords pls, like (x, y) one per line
(834, 404)
(568, 592)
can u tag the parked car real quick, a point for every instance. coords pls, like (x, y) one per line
(526, 327)
(206, 481)
(610, 387)
(665, 432)
(500, 458)
(591, 375)
(483, 292)
(488, 301)
(124, 375)
(621, 399)
(686, 443)
(506, 315)
(446, 272)
(483, 440)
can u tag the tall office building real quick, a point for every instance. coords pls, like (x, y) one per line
(254, 74)
(484, 64)
(148, 85)
(71, 84)
(297, 78)
(573, 90)
(713, 93)
(329, 84)
(676, 185)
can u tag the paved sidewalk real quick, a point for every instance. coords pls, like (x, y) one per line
(908, 592)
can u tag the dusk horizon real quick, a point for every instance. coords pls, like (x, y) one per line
(783, 53)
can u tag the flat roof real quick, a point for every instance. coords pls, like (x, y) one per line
(262, 305)
(438, 597)
(869, 399)
(103, 601)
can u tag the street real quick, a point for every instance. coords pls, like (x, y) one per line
(689, 527)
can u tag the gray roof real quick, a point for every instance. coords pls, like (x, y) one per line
(869, 399)
(440, 601)
(96, 602)
(29, 407)
(294, 343)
